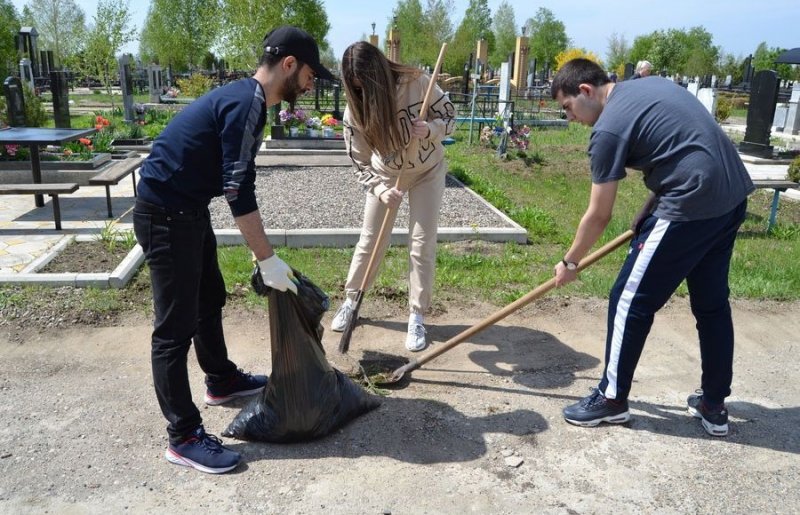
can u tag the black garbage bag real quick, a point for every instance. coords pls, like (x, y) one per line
(305, 397)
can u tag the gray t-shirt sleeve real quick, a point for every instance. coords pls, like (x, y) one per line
(607, 155)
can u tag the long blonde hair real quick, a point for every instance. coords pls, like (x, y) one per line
(370, 83)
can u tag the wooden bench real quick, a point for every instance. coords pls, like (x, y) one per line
(114, 172)
(779, 186)
(54, 190)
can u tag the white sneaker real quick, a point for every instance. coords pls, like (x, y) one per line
(415, 339)
(343, 316)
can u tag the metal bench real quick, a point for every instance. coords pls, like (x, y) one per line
(779, 186)
(54, 190)
(114, 172)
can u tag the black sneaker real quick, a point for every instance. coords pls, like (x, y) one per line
(715, 419)
(595, 408)
(239, 384)
(203, 452)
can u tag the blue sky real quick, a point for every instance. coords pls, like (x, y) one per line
(738, 26)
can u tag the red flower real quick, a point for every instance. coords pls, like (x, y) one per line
(99, 127)
(85, 141)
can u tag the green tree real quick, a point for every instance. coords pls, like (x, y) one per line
(407, 18)
(438, 26)
(422, 29)
(180, 32)
(476, 24)
(106, 36)
(61, 25)
(9, 26)
(504, 27)
(245, 23)
(764, 59)
(731, 65)
(689, 52)
(548, 37)
(618, 51)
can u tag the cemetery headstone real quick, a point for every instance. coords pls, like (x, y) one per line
(793, 115)
(126, 85)
(337, 95)
(760, 114)
(708, 97)
(504, 94)
(728, 82)
(26, 72)
(628, 71)
(779, 120)
(747, 76)
(15, 100)
(693, 88)
(28, 37)
(59, 87)
(154, 82)
(45, 68)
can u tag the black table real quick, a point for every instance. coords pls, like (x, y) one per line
(33, 138)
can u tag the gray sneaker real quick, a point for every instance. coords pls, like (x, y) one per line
(715, 419)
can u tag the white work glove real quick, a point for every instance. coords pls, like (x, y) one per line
(277, 274)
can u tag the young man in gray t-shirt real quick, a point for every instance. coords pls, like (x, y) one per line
(685, 230)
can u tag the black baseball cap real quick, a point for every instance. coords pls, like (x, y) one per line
(288, 40)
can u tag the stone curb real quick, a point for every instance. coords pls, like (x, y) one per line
(116, 279)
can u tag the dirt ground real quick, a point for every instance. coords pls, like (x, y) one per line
(477, 430)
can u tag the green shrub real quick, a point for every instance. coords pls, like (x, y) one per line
(3, 111)
(794, 170)
(195, 86)
(724, 108)
(35, 115)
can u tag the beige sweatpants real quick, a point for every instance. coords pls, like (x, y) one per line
(424, 194)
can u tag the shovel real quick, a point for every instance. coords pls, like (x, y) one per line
(347, 334)
(534, 294)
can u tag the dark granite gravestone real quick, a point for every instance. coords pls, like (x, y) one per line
(60, 89)
(28, 37)
(747, 76)
(126, 85)
(154, 83)
(628, 71)
(760, 114)
(337, 94)
(15, 100)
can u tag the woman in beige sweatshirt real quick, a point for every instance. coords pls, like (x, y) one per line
(380, 120)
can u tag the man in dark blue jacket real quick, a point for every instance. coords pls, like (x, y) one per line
(209, 150)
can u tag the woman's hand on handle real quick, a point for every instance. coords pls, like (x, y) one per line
(392, 198)
(420, 129)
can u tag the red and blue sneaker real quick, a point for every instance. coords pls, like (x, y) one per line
(203, 452)
(240, 384)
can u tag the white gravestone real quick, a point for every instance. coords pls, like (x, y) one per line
(504, 95)
(793, 113)
(708, 97)
(692, 88)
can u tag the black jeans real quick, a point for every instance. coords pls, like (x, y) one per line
(188, 296)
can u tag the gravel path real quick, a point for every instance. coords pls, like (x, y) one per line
(330, 198)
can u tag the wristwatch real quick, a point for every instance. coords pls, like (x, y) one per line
(570, 265)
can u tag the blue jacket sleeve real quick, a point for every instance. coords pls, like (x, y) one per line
(241, 133)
